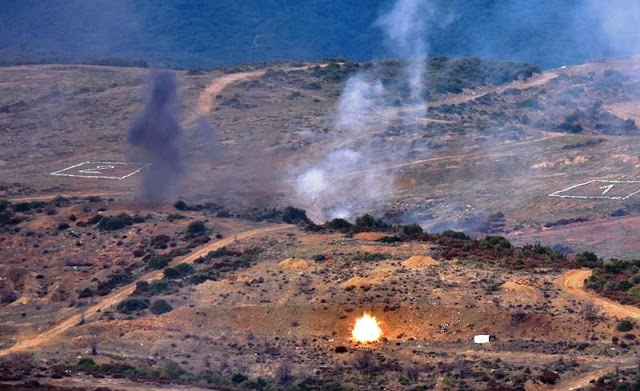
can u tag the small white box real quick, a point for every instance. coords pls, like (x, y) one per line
(482, 338)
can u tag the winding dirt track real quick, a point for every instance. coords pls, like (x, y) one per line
(207, 99)
(115, 297)
(573, 282)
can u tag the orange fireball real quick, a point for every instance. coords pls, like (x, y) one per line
(366, 329)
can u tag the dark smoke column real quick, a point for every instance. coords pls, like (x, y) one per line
(156, 133)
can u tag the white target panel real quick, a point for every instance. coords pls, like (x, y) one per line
(600, 189)
(103, 170)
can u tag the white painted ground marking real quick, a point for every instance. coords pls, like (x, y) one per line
(632, 188)
(606, 189)
(101, 170)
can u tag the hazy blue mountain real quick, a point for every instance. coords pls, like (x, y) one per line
(201, 33)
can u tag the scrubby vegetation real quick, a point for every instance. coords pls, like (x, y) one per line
(196, 228)
(457, 245)
(173, 372)
(617, 279)
(160, 307)
(290, 215)
(132, 304)
(113, 223)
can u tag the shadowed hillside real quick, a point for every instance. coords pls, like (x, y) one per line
(220, 33)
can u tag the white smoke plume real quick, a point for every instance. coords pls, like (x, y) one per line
(343, 183)
(617, 21)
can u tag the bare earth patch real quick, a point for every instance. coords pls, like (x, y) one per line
(419, 262)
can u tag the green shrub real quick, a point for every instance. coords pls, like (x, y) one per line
(175, 216)
(365, 221)
(157, 262)
(625, 326)
(132, 304)
(179, 271)
(390, 239)
(113, 223)
(291, 215)
(615, 266)
(160, 307)
(588, 259)
(412, 229)
(113, 281)
(85, 364)
(238, 378)
(27, 206)
(495, 241)
(624, 285)
(181, 205)
(196, 228)
(86, 292)
(339, 225)
(455, 235)
(142, 287)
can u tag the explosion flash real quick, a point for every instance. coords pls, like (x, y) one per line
(366, 329)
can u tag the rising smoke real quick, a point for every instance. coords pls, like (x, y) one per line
(343, 184)
(156, 133)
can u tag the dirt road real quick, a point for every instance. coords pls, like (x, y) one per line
(115, 297)
(573, 283)
(585, 379)
(207, 99)
(469, 95)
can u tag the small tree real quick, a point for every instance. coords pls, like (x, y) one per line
(293, 215)
(196, 228)
(412, 229)
(625, 326)
(365, 221)
(339, 224)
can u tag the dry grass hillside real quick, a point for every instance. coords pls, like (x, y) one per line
(231, 290)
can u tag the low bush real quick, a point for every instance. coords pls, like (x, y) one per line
(179, 271)
(157, 262)
(160, 306)
(113, 223)
(291, 215)
(196, 228)
(132, 304)
(624, 326)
